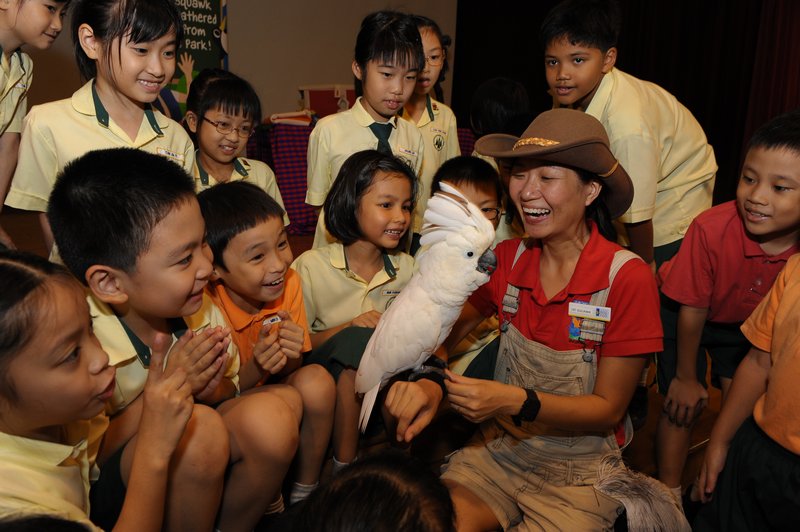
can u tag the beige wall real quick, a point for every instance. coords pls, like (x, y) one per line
(276, 45)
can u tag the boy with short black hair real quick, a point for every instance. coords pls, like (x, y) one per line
(730, 257)
(654, 137)
(757, 488)
(130, 228)
(262, 301)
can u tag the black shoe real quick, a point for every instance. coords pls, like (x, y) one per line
(637, 409)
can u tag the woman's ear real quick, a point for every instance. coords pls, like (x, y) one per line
(107, 284)
(357, 72)
(90, 44)
(592, 189)
(191, 121)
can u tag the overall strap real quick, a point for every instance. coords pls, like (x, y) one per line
(511, 297)
(592, 330)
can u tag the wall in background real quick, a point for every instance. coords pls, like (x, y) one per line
(275, 45)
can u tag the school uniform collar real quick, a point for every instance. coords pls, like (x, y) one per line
(364, 119)
(7, 63)
(430, 106)
(602, 97)
(339, 261)
(117, 339)
(239, 166)
(751, 249)
(239, 319)
(86, 102)
(51, 453)
(590, 275)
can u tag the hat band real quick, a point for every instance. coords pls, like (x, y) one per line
(534, 141)
(613, 169)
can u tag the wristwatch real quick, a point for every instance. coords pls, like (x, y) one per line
(530, 408)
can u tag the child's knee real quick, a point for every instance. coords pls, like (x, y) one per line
(316, 387)
(204, 449)
(266, 425)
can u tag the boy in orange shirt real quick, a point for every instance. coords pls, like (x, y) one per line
(262, 301)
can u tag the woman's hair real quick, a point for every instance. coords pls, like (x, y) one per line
(385, 491)
(388, 37)
(135, 21)
(24, 289)
(500, 105)
(597, 211)
(466, 169)
(342, 205)
(214, 88)
(428, 24)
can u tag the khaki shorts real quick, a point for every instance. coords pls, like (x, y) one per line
(547, 494)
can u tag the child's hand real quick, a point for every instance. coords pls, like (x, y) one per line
(267, 352)
(290, 336)
(713, 462)
(684, 401)
(202, 356)
(368, 319)
(167, 403)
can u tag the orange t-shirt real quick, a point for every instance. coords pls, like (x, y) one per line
(245, 326)
(774, 327)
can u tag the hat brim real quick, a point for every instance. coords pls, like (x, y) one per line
(589, 154)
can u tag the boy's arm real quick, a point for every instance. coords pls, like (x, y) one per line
(9, 147)
(686, 397)
(166, 409)
(749, 383)
(640, 237)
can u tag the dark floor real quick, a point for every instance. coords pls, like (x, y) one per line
(24, 229)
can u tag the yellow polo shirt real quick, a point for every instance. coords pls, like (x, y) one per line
(126, 352)
(664, 150)
(337, 137)
(440, 138)
(58, 132)
(334, 295)
(45, 478)
(250, 170)
(16, 76)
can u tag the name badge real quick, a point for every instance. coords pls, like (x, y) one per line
(406, 151)
(578, 309)
(388, 292)
(272, 319)
(171, 154)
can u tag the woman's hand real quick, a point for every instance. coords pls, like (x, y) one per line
(478, 399)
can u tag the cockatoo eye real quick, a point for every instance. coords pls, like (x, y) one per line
(470, 254)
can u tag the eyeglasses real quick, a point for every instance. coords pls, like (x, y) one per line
(491, 213)
(224, 128)
(435, 59)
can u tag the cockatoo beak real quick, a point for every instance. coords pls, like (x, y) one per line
(487, 263)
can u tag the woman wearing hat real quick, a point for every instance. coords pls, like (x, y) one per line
(578, 317)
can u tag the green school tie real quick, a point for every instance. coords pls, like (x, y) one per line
(382, 132)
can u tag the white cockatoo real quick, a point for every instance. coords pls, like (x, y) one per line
(454, 261)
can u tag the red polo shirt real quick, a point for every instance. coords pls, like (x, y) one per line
(635, 325)
(719, 267)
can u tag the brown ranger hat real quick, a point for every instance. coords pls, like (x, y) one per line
(569, 138)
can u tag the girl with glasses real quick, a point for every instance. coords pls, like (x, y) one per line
(222, 112)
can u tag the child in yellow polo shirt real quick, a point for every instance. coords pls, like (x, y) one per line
(128, 225)
(22, 22)
(56, 381)
(113, 109)
(262, 300)
(222, 112)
